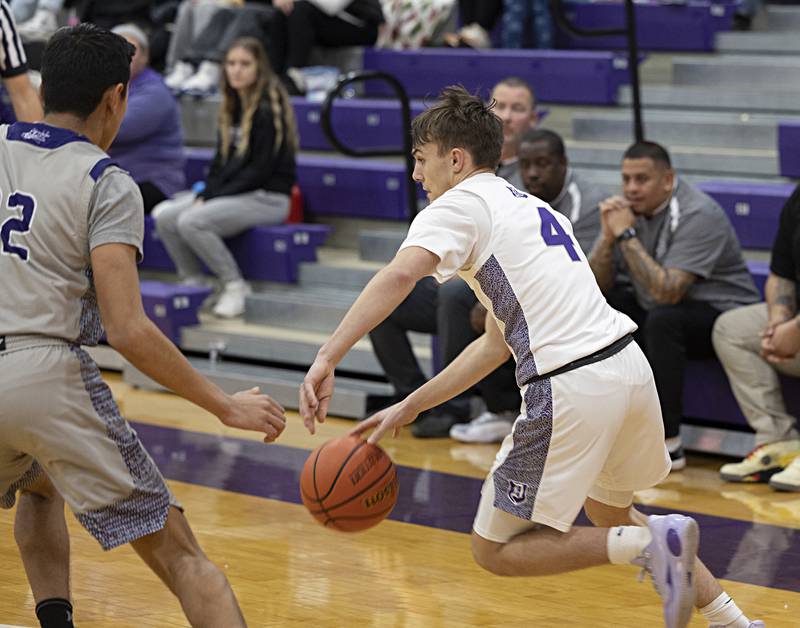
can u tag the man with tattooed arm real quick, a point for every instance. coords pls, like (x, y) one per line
(668, 257)
(757, 342)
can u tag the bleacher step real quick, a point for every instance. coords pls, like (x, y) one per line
(350, 400)
(686, 159)
(380, 245)
(319, 311)
(781, 43)
(754, 71)
(718, 129)
(239, 340)
(728, 98)
(783, 18)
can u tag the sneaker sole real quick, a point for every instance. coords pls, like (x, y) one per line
(679, 464)
(689, 545)
(780, 486)
(462, 438)
(759, 477)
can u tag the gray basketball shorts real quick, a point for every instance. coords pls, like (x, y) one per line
(58, 417)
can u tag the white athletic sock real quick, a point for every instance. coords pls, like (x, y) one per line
(724, 612)
(673, 443)
(624, 543)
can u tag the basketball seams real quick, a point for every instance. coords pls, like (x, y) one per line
(327, 509)
(339, 472)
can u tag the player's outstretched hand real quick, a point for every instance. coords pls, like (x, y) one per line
(253, 411)
(391, 418)
(315, 393)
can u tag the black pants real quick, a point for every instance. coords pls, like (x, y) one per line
(669, 335)
(226, 26)
(445, 310)
(151, 195)
(294, 35)
(483, 12)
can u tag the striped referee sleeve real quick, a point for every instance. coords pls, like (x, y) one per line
(12, 55)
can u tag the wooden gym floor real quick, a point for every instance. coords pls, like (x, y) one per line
(414, 571)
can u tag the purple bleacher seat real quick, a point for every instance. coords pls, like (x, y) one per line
(352, 187)
(172, 306)
(566, 76)
(266, 253)
(788, 152)
(707, 394)
(359, 124)
(335, 186)
(753, 208)
(687, 26)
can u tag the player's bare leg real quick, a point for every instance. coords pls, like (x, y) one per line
(710, 599)
(666, 548)
(605, 516)
(40, 531)
(203, 590)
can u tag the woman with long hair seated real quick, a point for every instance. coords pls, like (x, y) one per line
(250, 180)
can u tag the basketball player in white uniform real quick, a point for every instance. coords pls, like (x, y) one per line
(71, 226)
(590, 430)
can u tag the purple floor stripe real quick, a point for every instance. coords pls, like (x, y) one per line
(753, 553)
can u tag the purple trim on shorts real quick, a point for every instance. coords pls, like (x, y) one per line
(29, 477)
(91, 326)
(517, 479)
(145, 510)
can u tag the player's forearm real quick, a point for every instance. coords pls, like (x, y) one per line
(385, 291)
(478, 360)
(146, 348)
(666, 286)
(781, 295)
(601, 261)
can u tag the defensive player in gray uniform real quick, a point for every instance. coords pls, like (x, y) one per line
(70, 238)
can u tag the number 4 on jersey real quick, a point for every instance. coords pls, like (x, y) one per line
(553, 234)
(27, 204)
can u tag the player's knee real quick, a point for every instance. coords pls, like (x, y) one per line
(488, 556)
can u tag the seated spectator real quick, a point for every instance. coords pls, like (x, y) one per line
(250, 180)
(149, 144)
(669, 258)
(14, 70)
(37, 19)
(412, 24)
(446, 309)
(109, 13)
(203, 32)
(546, 174)
(527, 24)
(754, 344)
(515, 105)
(478, 19)
(302, 24)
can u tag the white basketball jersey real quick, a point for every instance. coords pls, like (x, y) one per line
(520, 258)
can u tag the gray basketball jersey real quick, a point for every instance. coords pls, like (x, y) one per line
(60, 197)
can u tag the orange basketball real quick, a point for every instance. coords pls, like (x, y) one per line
(348, 484)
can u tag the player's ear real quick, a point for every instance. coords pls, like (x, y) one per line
(457, 158)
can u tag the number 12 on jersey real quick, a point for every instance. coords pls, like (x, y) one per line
(21, 224)
(553, 234)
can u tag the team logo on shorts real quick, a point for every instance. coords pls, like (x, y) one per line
(517, 491)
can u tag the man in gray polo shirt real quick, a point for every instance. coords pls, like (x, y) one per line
(668, 257)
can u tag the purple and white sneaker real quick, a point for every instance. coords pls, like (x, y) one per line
(670, 559)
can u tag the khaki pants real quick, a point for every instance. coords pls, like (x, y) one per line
(737, 340)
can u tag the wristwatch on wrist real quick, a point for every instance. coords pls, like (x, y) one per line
(629, 233)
